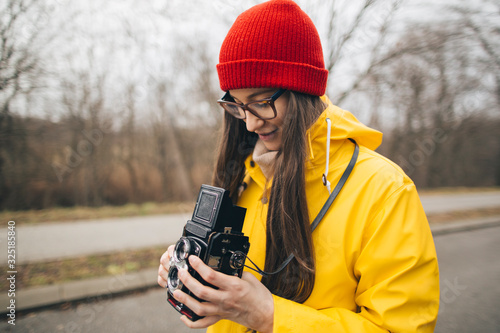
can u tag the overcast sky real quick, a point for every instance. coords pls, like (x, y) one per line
(134, 41)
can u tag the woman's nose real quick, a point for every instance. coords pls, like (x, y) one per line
(253, 122)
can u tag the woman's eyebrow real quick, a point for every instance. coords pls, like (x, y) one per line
(257, 93)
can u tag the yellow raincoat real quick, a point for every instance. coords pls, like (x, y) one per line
(376, 266)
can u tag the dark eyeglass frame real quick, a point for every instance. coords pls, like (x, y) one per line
(270, 100)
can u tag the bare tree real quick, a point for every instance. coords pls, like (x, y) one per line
(365, 33)
(431, 86)
(487, 35)
(169, 157)
(86, 158)
(19, 71)
(19, 62)
(129, 147)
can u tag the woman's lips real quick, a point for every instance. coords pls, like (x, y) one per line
(267, 136)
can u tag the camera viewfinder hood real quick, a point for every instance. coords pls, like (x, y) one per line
(215, 210)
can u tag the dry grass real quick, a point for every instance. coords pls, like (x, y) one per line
(91, 213)
(456, 190)
(47, 273)
(462, 215)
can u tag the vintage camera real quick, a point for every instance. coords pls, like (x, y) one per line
(214, 235)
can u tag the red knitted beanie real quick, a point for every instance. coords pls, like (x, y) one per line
(273, 45)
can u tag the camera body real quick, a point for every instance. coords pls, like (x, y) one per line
(214, 235)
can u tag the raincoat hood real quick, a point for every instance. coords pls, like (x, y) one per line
(344, 125)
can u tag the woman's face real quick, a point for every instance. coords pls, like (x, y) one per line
(269, 131)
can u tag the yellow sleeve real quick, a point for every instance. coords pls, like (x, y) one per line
(397, 272)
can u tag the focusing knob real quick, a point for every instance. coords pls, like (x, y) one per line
(237, 260)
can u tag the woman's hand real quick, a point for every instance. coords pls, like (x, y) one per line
(165, 266)
(245, 301)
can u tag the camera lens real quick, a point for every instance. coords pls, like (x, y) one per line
(182, 249)
(173, 279)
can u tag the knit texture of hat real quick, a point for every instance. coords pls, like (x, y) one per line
(273, 45)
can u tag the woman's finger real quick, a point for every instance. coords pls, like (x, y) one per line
(162, 276)
(211, 276)
(200, 323)
(200, 308)
(165, 258)
(196, 287)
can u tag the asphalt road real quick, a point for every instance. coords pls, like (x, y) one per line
(470, 297)
(53, 241)
(469, 264)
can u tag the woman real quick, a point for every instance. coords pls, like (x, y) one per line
(370, 265)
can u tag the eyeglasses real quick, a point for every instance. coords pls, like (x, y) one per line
(263, 109)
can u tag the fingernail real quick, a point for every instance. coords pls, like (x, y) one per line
(193, 259)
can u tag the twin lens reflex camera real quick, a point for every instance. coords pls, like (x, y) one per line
(214, 235)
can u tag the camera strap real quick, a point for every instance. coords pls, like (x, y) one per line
(340, 184)
(322, 212)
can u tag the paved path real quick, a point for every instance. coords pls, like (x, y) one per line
(53, 241)
(66, 240)
(470, 297)
(469, 267)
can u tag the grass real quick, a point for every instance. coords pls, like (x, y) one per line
(462, 215)
(456, 190)
(59, 214)
(47, 273)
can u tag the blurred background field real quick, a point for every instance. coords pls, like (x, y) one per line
(113, 103)
(108, 109)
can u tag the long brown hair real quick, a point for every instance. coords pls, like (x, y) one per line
(288, 225)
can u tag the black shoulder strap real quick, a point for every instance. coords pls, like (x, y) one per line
(339, 186)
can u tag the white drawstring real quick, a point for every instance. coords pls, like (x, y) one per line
(325, 175)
